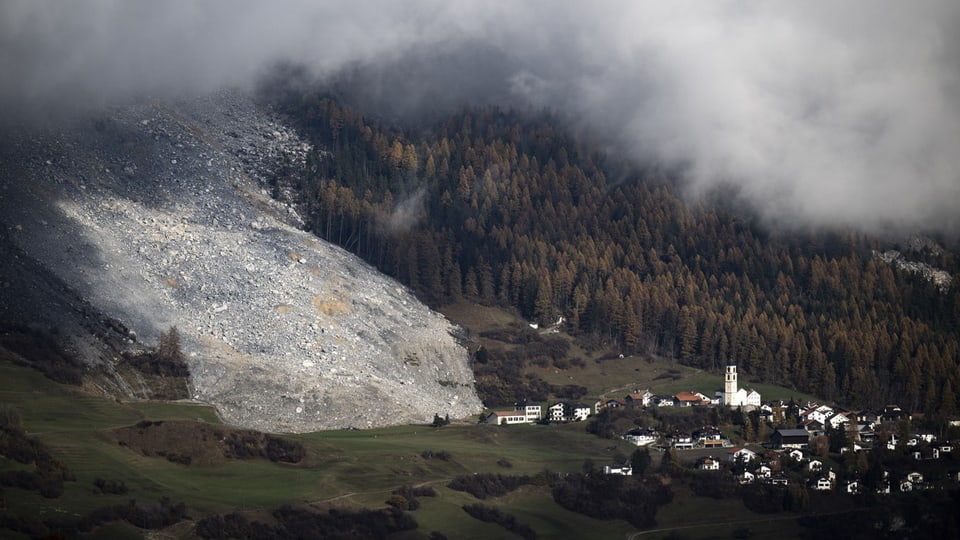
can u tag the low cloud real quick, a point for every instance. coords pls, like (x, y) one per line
(819, 114)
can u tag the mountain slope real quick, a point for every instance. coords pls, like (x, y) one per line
(159, 215)
(514, 209)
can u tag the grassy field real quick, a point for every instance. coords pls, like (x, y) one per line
(350, 469)
(343, 468)
(354, 469)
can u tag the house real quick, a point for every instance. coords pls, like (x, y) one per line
(766, 416)
(915, 478)
(681, 441)
(556, 412)
(708, 436)
(816, 412)
(815, 465)
(906, 486)
(689, 399)
(865, 432)
(708, 463)
(790, 438)
(580, 411)
(752, 399)
(741, 454)
(892, 442)
(716, 444)
(771, 459)
(836, 420)
(926, 453)
(608, 403)
(746, 477)
(795, 455)
(641, 437)
(822, 484)
(778, 480)
(892, 413)
(662, 401)
(763, 471)
(855, 448)
(813, 426)
(625, 469)
(866, 418)
(530, 409)
(853, 487)
(567, 412)
(640, 398)
(501, 418)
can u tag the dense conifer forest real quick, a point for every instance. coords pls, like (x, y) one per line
(510, 209)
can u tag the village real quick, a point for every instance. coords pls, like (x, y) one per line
(828, 448)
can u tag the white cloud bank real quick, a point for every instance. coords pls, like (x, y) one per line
(821, 114)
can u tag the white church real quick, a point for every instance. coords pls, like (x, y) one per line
(731, 396)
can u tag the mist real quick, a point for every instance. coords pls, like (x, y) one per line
(817, 115)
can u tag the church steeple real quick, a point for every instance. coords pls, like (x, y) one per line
(730, 385)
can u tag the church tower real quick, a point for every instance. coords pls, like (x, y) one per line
(730, 386)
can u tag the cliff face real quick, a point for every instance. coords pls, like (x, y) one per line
(160, 215)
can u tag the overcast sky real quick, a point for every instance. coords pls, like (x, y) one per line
(823, 113)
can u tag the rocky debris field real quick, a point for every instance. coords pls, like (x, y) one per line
(169, 214)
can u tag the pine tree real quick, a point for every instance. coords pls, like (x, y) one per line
(470, 287)
(640, 461)
(169, 349)
(543, 308)
(749, 434)
(948, 401)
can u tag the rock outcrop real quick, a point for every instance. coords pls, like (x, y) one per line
(161, 215)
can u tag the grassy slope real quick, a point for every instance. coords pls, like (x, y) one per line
(344, 468)
(615, 376)
(350, 468)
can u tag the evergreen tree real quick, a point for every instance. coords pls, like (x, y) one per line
(640, 461)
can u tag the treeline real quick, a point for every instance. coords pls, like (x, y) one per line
(924, 514)
(42, 351)
(150, 516)
(47, 474)
(492, 514)
(484, 485)
(298, 523)
(166, 359)
(612, 496)
(507, 209)
(247, 444)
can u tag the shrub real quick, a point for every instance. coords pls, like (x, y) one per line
(486, 485)
(424, 491)
(283, 450)
(112, 487)
(612, 497)
(442, 455)
(405, 498)
(494, 515)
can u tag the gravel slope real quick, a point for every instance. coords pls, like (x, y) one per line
(158, 215)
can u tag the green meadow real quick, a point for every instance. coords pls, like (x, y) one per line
(360, 468)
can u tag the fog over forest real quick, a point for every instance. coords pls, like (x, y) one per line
(819, 114)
